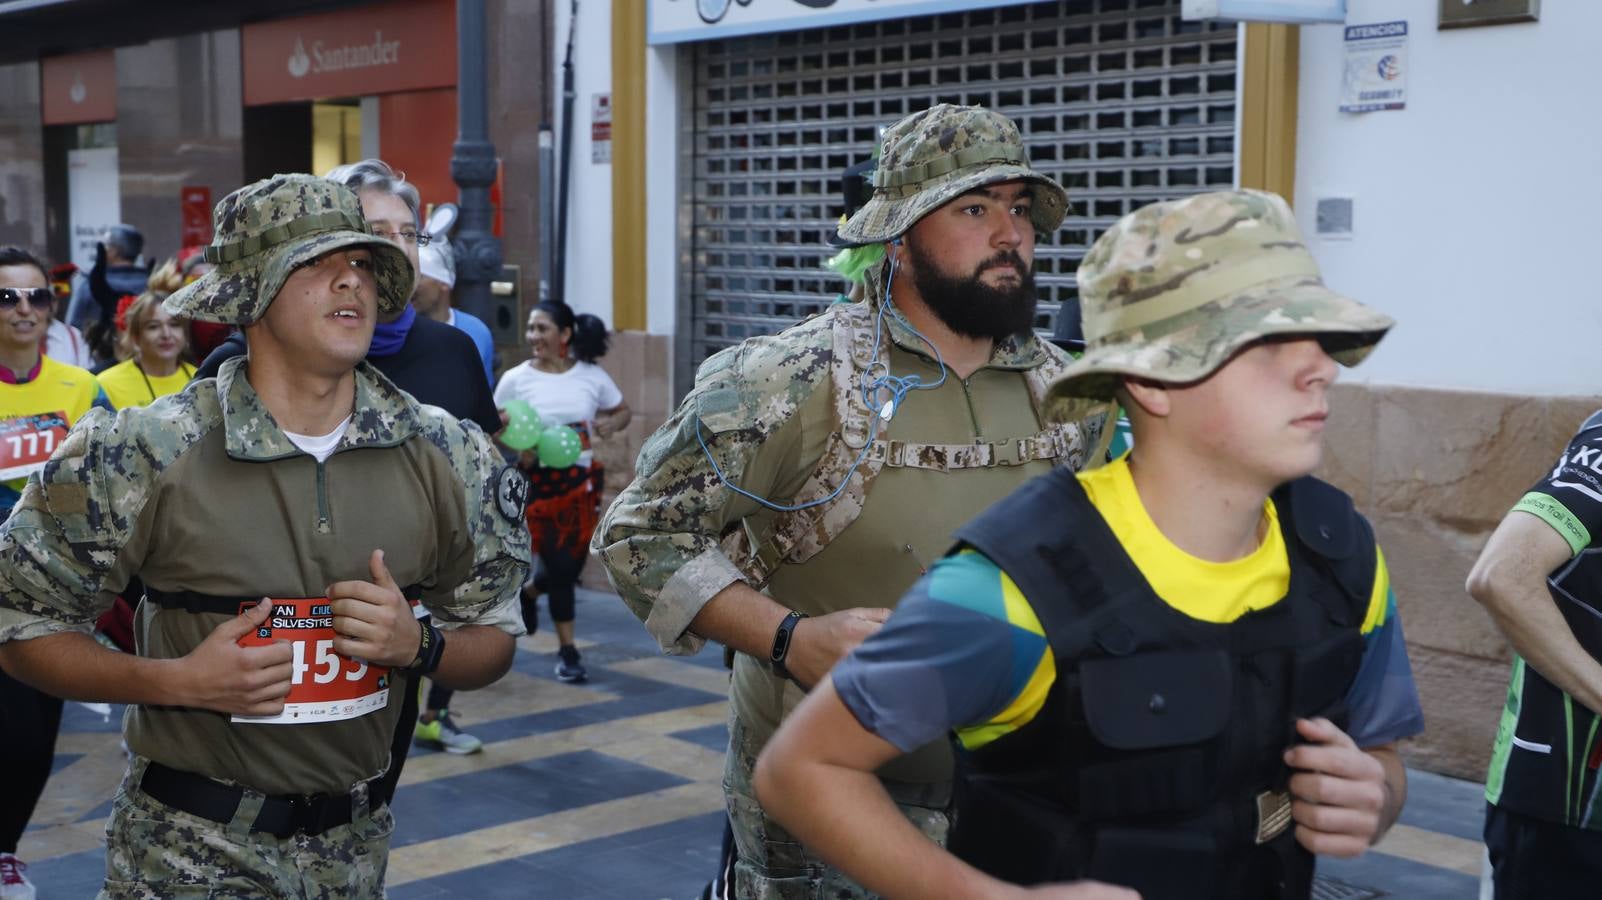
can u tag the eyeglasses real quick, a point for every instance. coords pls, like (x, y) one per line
(420, 238)
(38, 298)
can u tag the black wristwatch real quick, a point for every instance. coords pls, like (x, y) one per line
(429, 650)
(781, 644)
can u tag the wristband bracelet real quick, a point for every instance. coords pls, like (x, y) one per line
(781, 644)
(430, 648)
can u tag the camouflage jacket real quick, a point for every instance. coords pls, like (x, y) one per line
(201, 491)
(784, 418)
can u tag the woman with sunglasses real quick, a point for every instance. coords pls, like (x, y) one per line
(40, 398)
(152, 344)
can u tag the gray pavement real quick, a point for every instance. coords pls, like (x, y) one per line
(609, 790)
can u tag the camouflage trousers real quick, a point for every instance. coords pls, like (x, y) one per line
(772, 865)
(155, 851)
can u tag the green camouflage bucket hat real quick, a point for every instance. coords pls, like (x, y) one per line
(1174, 289)
(932, 157)
(264, 230)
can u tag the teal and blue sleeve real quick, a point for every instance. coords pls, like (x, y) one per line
(1383, 700)
(947, 657)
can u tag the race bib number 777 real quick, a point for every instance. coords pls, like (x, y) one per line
(26, 443)
(324, 686)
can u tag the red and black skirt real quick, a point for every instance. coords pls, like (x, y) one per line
(565, 507)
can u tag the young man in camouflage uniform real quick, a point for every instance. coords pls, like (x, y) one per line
(787, 419)
(259, 728)
(1181, 672)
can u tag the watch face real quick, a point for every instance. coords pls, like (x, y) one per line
(511, 493)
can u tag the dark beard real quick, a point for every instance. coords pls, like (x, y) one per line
(972, 308)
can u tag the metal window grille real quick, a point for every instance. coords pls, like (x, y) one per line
(1121, 101)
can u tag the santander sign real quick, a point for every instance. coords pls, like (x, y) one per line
(360, 56)
(343, 54)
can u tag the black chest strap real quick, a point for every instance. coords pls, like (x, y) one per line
(196, 602)
(1326, 524)
(1055, 545)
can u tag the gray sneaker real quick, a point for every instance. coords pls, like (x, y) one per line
(442, 734)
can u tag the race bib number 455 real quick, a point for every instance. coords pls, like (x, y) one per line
(26, 443)
(324, 686)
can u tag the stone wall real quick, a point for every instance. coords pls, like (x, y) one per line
(1435, 471)
(640, 364)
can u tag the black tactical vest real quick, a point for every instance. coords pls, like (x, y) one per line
(1156, 762)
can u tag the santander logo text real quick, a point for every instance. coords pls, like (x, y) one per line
(346, 56)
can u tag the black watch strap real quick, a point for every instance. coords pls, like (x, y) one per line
(429, 650)
(781, 644)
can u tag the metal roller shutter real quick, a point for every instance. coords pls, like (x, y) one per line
(1120, 100)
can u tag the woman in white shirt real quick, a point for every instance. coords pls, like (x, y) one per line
(563, 383)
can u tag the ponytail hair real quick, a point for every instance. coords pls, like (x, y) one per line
(589, 338)
(589, 341)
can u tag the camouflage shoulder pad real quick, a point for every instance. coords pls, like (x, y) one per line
(762, 382)
(472, 453)
(138, 443)
(1057, 359)
(482, 469)
(100, 478)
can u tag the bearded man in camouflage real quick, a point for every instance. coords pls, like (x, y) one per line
(274, 514)
(735, 528)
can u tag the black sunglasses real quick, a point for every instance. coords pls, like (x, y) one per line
(38, 298)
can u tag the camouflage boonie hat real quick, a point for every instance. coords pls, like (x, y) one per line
(264, 230)
(1174, 289)
(932, 157)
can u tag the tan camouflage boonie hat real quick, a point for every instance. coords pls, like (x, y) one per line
(264, 230)
(1174, 289)
(932, 157)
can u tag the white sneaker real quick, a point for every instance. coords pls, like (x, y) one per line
(13, 884)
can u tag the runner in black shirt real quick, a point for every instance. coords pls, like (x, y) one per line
(1540, 577)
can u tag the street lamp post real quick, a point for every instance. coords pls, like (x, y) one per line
(478, 251)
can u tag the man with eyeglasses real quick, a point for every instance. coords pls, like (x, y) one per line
(40, 399)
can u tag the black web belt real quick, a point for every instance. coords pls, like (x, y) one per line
(196, 602)
(280, 816)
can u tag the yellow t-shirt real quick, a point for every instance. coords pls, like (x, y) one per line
(126, 385)
(59, 388)
(1209, 591)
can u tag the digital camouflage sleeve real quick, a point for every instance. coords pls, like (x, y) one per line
(71, 531)
(497, 535)
(759, 411)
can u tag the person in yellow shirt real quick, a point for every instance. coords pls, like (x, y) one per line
(1181, 675)
(40, 398)
(152, 344)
